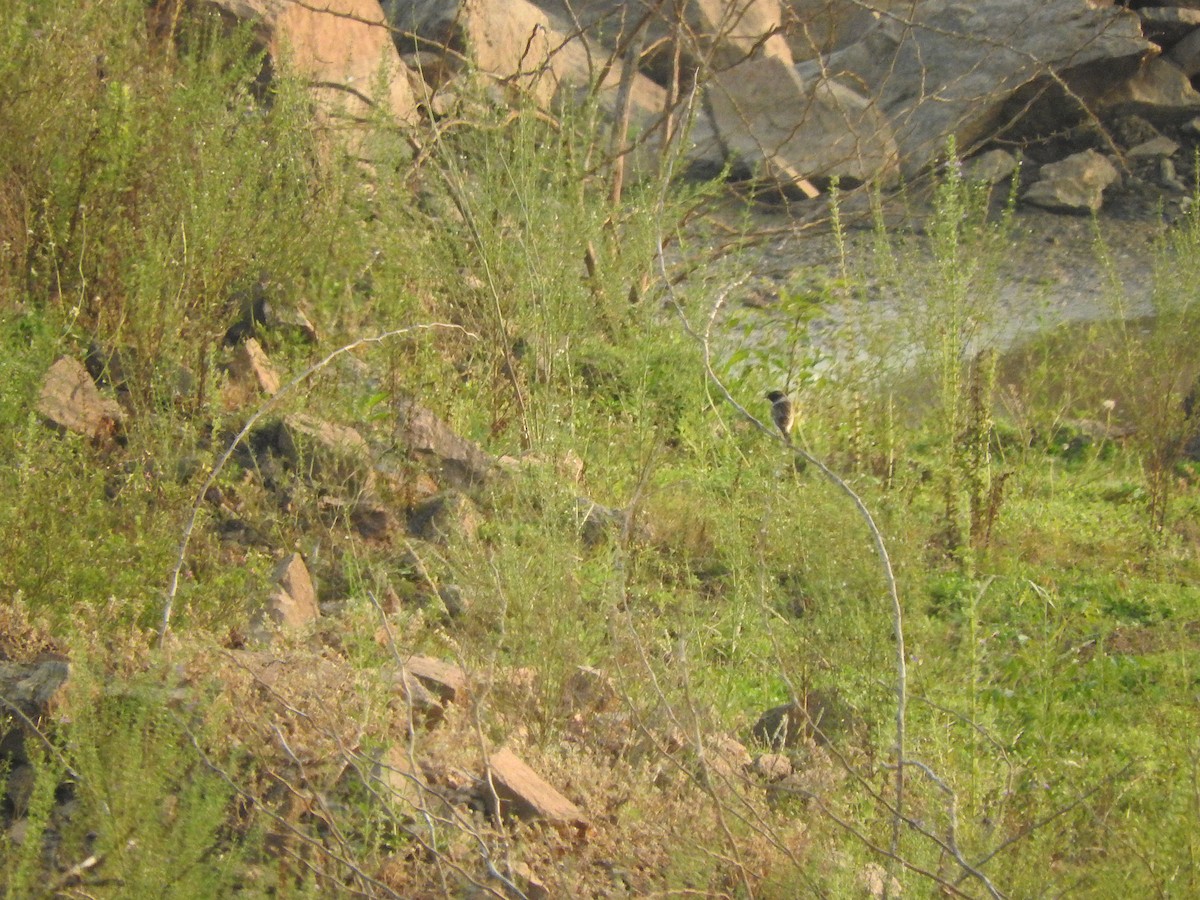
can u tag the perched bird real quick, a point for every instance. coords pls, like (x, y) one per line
(782, 413)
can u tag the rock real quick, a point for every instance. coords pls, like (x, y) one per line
(521, 792)
(446, 516)
(772, 767)
(1158, 90)
(948, 69)
(412, 700)
(1166, 25)
(33, 687)
(1075, 184)
(327, 453)
(508, 41)
(598, 522)
(1186, 54)
(1159, 146)
(373, 520)
(588, 690)
(459, 462)
(791, 130)
(294, 602)
(402, 781)
(816, 717)
(991, 167)
(341, 48)
(818, 27)
(446, 681)
(730, 32)
(726, 757)
(250, 374)
(70, 400)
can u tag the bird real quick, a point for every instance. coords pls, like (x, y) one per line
(782, 413)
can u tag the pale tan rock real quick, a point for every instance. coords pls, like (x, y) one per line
(334, 454)
(525, 794)
(1075, 184)
(402, 780)
(772, 767)
(725, 756)
(1158, 90)
(430, 440)
(70, 400)
(448, 682)
(294, 602)
(507, 41)
(342, 47)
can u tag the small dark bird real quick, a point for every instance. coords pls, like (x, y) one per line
(782, 413)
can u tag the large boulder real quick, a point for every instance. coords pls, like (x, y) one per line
(508, 42)
(342, 47)
(776, 123)
(946, 70)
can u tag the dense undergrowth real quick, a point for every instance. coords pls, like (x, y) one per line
(1037, 507)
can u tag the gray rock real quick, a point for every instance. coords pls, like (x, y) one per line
(793, 130)
(991, 167)
(950, 71)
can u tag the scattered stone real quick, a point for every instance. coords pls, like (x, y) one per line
(250, 374)
(772, 767)
(878, 883)
(1158, 90)
(588, 690)
(448, 682)
(726, 757)
(324, 452)
(1159, 146)
(1075, 184)
(531, 885)
(33, 687)
(947, 69)
(294, 602)
(414, 700)
(402, 781)
(70, 400)
(459, 462)
(817, 717)
(991, 167)
(446, 516)
(521, 792)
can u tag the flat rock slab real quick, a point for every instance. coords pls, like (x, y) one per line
(446, 681)
(70, 400)
(525, 794)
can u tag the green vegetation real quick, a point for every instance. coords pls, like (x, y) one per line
(1037, 506)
